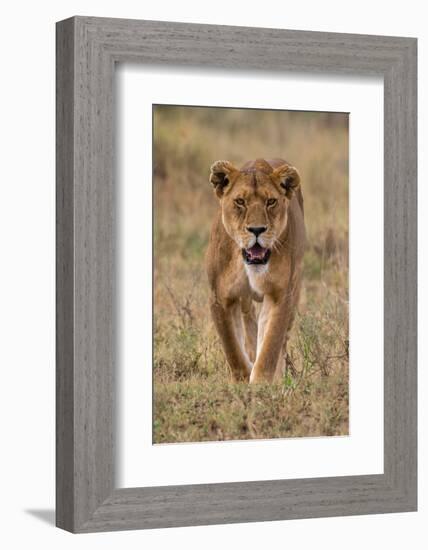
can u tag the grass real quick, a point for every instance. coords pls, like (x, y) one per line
(194, 398)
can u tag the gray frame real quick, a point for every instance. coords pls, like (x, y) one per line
(87, 50)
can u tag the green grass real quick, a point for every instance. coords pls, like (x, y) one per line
(222, 411)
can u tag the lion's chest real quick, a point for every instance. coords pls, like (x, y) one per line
(257, 278)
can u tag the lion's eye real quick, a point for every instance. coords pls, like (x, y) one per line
(271, 202)
(240, 202)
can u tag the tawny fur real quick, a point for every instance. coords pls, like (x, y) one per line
(255, 342)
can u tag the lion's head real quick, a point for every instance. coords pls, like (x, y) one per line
(254, 204)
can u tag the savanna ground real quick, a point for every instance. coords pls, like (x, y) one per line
(194, 398)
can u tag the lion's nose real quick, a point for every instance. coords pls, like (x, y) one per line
(257, 230)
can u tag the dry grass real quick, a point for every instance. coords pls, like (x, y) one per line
(194, 399)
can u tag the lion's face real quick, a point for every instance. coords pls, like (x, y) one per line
(254, 205)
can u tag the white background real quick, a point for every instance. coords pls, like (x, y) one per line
(138, 88)
(27, 274)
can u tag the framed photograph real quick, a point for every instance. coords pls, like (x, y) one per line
(236, 274)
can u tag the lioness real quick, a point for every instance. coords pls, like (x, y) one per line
(255, 254)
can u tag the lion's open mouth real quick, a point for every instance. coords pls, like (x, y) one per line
(256, 254)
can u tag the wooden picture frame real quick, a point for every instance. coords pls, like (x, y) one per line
(87, 50)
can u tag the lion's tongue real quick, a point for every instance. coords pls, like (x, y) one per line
(256, 252)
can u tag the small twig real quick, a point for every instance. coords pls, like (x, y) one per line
(176, 305)
(184, 311)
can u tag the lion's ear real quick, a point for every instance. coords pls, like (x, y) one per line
(288, 178)
(221, 172)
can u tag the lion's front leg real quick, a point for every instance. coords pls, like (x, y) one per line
(271, 337)
(224, 317)
(250, 327)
